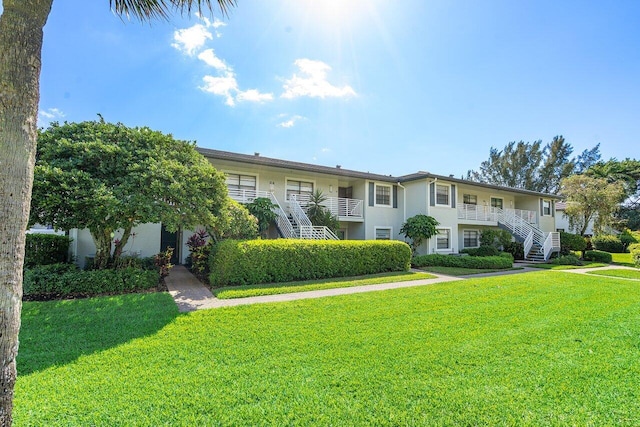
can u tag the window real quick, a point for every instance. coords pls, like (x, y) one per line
(241, 182)
(383, 195)
(443, 239)
(442, 195)
(383, 233)
(546, 207)
(302, 189)
(497, 202)
(470, 199)
(560, 230)
(471, 238)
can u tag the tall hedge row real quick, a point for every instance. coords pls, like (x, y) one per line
(44, 249)
(482, 262)
(235, 262)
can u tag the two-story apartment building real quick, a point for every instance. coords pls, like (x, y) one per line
(368, 206)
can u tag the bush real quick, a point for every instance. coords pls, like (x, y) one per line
(495, 237)
(627, 238)
(45, 249)
(634, 247)
(607, 243)
(598, 256)
(567, 260)
(65, 280)
(437, 260)
(235, 262)
(635, 257)
(481, 251)
(516, 249)
(133, 261)
(571, 242)
(507, 255)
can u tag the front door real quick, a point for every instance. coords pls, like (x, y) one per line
(168, 239)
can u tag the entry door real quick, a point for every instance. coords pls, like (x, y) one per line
(168, 239)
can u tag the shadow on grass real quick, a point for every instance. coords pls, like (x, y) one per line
(59, 332)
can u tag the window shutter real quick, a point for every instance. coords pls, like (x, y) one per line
(372, 193)
(453, 196)
(432, 194)
(553, 208)
(541, 207)
(395, 196)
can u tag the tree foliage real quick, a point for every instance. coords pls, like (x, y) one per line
(234, 222)
(419, 228)
(105, 177)
(590, 199)
(319, 215)
(532, 166)
(262, 209)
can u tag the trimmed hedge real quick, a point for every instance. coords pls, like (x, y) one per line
(598, 256)
(571, 242)
(516, 249)
(635, 257)
(65, 280)
(607, 243)
(234, 262)
(633, 247)
(45, 249)
(488, 262)
(567, 260)
(481, 251)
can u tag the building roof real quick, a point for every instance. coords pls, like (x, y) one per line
(257, 159)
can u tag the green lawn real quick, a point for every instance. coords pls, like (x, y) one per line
(618, 272)
(315, 285)
(456, 271)
(532, 349)
(587, 264)
(623, 259)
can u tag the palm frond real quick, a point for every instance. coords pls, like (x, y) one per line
(146, 10)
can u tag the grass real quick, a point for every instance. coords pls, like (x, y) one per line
(549, 266)
(623, 259)
(457, 271)
(315, 285)
(618, 272)
(531, 349)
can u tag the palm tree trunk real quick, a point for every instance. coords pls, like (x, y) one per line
(21, 26)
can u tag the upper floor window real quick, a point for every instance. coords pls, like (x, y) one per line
(302, 189)
(497, 202)
(383, 195)
(546, 207)
(241, 182)
(470, 199)
(442, 194)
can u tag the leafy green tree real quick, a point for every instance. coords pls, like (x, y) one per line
(533, 167)
(627, 172)
(106, 177)
(21, 35)
(419, 228)
(234, 222)
(590, 199)
(263, 209)
(319, 215)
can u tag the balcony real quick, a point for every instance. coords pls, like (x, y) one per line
(490, 214)
(342, 208)
(246, 196)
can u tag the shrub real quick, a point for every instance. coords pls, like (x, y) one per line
(598, 256)
(627, 238)
(571, 242)
(607, 243)
(516, 249)
(495, 237)
(65, 280)
(567, 260)
(633, 247)
(45, 249)
(235, 262)
(506, 255)
(437, 260)
(133, 261)
(162, 261)
(635, 257)
(481, 251)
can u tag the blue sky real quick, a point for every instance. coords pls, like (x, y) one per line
(390, 87)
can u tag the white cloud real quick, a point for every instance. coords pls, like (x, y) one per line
(51, 113)
(209, 57)
(289, 123)
(313, 82)
(225, 86)
(253, 95)
(189, 40)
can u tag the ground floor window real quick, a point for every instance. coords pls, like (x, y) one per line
(443, 239)
(383, 233)
(471, 238)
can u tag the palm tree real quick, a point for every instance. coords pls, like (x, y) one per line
(21, 25)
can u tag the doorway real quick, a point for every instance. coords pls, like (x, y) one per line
(169, 239)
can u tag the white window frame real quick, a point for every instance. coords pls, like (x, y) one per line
(497, 198)
(227, 173)
(450, 247)
(545, 201)
(469, 194)
(448, 187)
(307, 180)
(375, 232)
(375, 195)
(477, 241)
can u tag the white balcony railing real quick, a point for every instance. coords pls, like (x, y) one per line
(489, 213)
(339, 207)
(247, 196)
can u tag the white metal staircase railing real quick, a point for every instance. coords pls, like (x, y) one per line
(306, 230)
(551, 244)
(532, 235)
(282, 221)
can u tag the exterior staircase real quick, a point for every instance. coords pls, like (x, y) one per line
(296, 224)
(538, 245)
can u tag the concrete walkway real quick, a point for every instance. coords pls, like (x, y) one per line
(190, 294)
